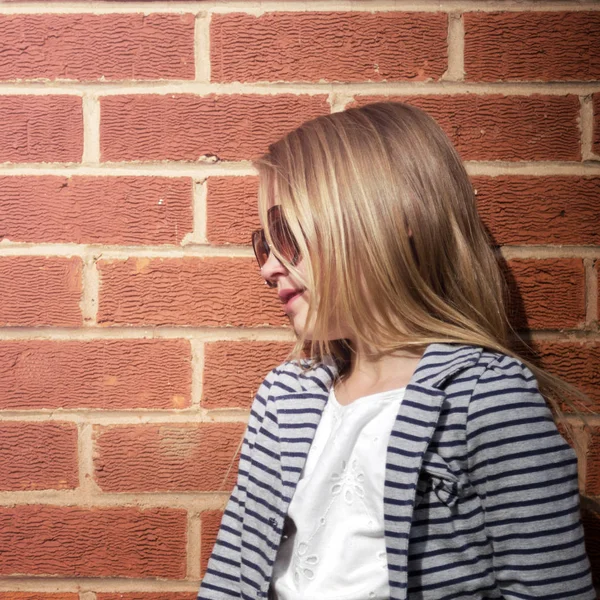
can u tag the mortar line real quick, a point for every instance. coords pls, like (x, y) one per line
(202, 47)
(91, 129)
(203, 88)
(456, 48)
(273, 6)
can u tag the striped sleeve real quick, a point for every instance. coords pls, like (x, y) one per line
(526, 477)
(222, 578)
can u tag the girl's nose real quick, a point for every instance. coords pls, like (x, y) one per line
(272, 268)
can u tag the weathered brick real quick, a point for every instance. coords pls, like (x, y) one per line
(321, 46)
(38, 290)
(38, 456)
(499, 127)
(187, 127)
(146, 596)
(93, 542)
(592, 470)
(577, 362)
(233, 371)
(96, 210)
(231, 209)
(210, 292)
(38, 128)
(533, 46)
(13, 595)
(596, 126)
(540, 210)
(546, 293)
(172, 457)
(101, 374)
(210, 522)
(93, 47)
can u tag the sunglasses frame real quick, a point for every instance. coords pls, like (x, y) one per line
(278, 225)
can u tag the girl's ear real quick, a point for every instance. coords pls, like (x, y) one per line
(409, 232)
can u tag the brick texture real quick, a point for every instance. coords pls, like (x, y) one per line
(596, 125)
(358, 46)
(38, 595)
(93, 542)
(231, 213)
(208, 292)
(233, 371)
(37, 291)
(546, 293)
(38, 456)
(147, 596)
(577, 362)
(92, 47)
(40, 128)
(533, 46)
(211, 520)
(98, 374)
(170, 457)
(540, 210)
(499, 127)
(185, 127)
(96, 210)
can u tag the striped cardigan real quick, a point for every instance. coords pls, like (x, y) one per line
(480, 496)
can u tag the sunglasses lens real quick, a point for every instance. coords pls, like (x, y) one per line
(261, 249)
(283, 239)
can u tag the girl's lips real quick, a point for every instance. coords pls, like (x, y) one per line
(292, 298)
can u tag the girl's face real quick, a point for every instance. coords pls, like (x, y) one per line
(296, 306)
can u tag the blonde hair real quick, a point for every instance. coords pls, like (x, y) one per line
(352, 185)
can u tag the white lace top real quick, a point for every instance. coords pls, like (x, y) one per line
(335, 548)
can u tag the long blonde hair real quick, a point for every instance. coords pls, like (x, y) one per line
(385, 216)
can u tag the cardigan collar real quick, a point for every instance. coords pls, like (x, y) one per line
(299, 402)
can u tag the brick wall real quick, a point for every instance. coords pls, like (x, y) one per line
(134, 326)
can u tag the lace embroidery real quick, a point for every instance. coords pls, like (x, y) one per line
(350, 481)
(304, 563)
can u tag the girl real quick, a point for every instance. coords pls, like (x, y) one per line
(413, 455)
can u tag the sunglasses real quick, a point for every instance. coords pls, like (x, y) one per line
(283, 240)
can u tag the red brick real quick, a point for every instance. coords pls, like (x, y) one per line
(231, 207)
(212, 291)
(106, 374)
(596, 126)
(93, 542)
(498, 127)
(37, 128)
(38, 290)
(577, 362)
(92, 47)
(186, 127)
(546, 293)
(38, 595)
(171, 457)
(146, 596)
(328, 46)
(211, 520)
(38, 456)
(540, 210)
(592, 471)
(233, 371)
(533, 46)
(96, 210)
